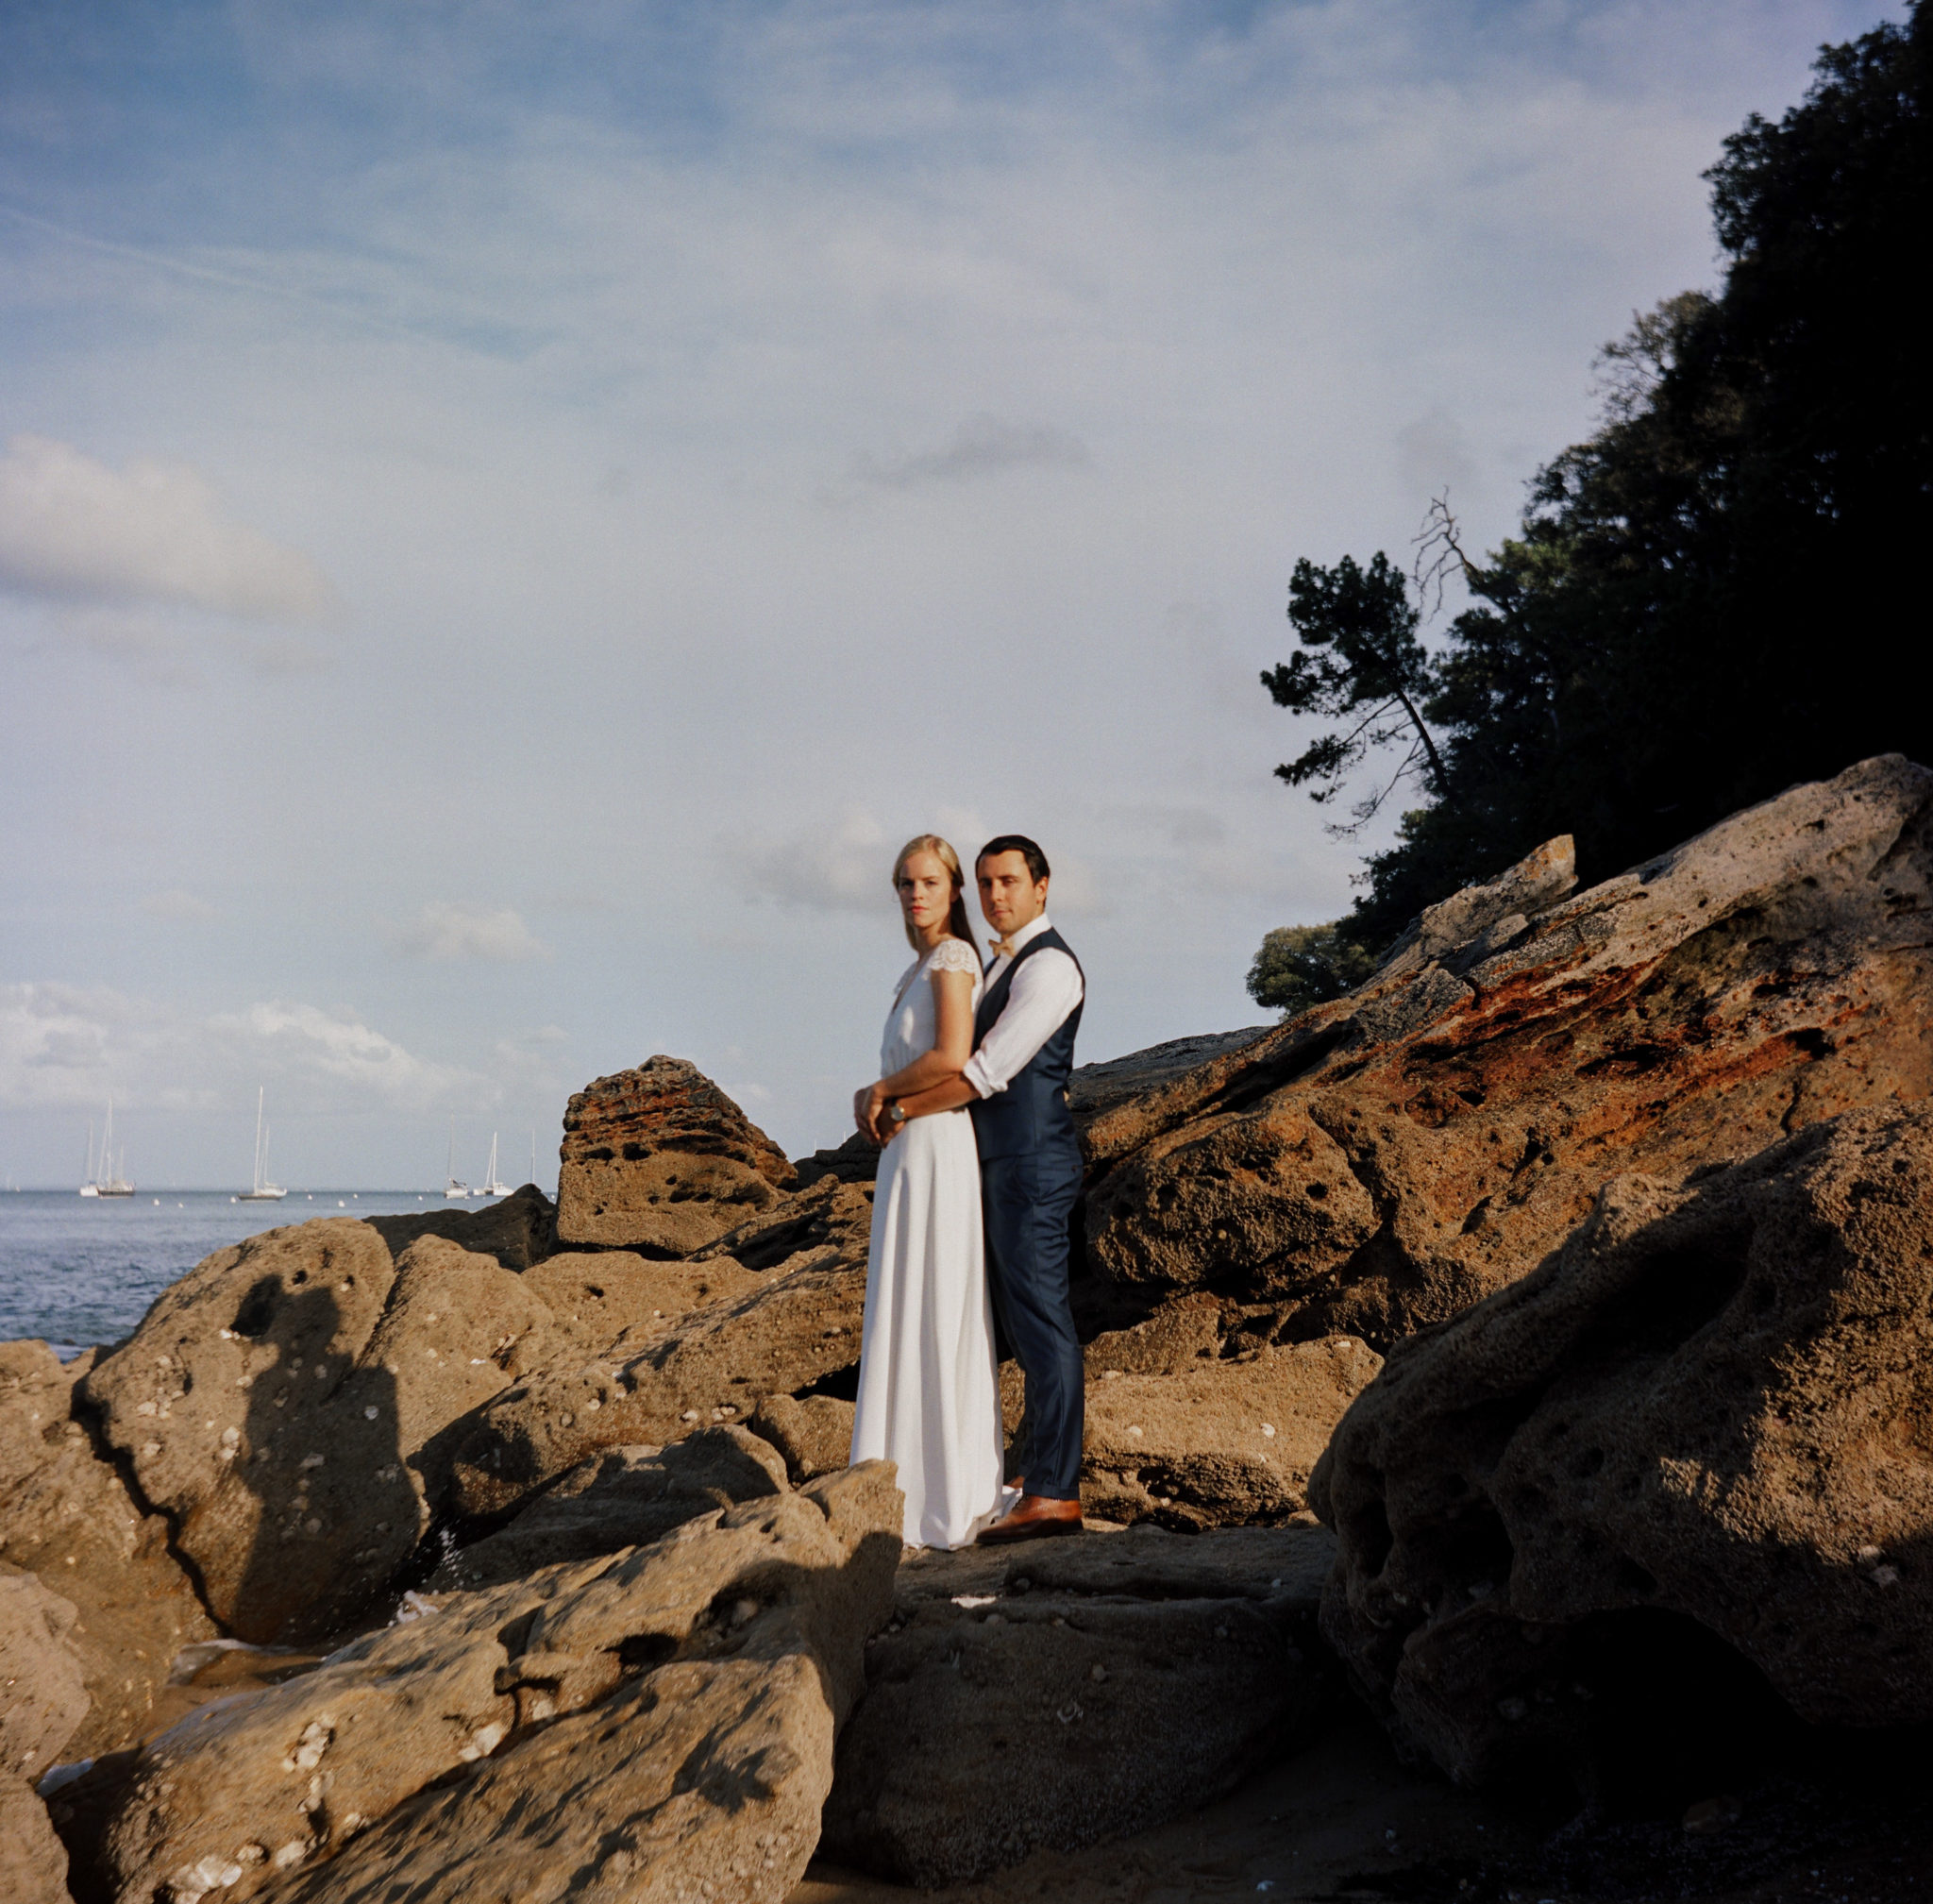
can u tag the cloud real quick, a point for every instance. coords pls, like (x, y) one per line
(446, 931)
(830, 869)
(178, 904)
(983, 445)
(66, 1047)
(156, 532)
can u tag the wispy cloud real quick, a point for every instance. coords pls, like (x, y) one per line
(983, 445)
(66, 1047)
(845, 866)
(444, 931)
(73, 529)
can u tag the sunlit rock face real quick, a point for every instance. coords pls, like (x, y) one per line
(1385, 1161)
(660, 1159)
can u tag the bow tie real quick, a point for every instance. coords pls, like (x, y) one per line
(1002, 948)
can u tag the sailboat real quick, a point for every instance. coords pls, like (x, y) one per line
(105, 1180)
(491, 1187)
(264, 1192)
(451, 1187)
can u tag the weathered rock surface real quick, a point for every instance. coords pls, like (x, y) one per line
(627, 1724)
(42, 1700)
(35, 1859)
(519, 1230)
(800, 1324)
(269, 1406)
(1704, 1417)
(813, 1436)
(1224, 1441)
(659, 1159)
(625, 1497)
(42, 1695)
(1073, 1692)
(855, 1161)
(1105, 1087)
(1382, 1161)
(601, 1299)
(66, 1515)
(292, 1403)
(1190, 1424)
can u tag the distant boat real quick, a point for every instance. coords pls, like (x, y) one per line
(103, 1179)
(264, 1192)
(451, 1187)
(491, 1187)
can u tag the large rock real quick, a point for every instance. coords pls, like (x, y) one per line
(238, 1407)
(290, 1402)
(624, 1498)
(519, 1230)
(42, 1695)
(660, 1159)
(1194, 1421)
(1113, 1082)
(800, 1324)
(813, 1436)
(624, 1724)
(1229, 1441)
(42, 1700)
(1695, 1436)
(36, 1860)
(1385, 1161)
(615, 1299)
(1073, 1692)
(66, 1515)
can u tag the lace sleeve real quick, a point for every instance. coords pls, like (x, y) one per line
(953, 956)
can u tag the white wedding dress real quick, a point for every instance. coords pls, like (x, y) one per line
(929, 1394)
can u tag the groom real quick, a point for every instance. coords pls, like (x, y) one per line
(1030, 1170)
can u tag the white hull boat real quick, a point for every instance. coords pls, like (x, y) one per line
(264, 1192)
(104, 1179)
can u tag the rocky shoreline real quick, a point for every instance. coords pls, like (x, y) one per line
(1526, 1353)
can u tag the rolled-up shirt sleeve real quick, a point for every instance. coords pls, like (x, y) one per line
(1045, 990)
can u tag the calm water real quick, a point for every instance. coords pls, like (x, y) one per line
(77, 1271)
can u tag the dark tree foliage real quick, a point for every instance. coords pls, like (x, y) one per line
(1300, 966)
(1718, 594)
(1360, 662)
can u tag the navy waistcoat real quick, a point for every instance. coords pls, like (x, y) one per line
(1032, 1114)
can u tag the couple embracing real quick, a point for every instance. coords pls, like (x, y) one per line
(972, 1210)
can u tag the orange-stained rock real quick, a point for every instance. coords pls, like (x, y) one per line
(1382, 1161)
(660, 1159)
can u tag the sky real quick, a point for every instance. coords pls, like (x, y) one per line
(511, 511)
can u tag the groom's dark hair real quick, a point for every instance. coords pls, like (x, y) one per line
(1020, 843)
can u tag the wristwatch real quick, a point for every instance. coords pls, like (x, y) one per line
(896, 1113)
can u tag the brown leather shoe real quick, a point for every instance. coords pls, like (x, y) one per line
(1034, 1517)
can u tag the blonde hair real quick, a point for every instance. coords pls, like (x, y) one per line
(956, 914)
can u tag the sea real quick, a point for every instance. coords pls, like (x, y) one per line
(77, 1271)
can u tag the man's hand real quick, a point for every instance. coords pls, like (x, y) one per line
(867, 1104)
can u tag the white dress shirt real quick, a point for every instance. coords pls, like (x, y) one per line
(1044, 993)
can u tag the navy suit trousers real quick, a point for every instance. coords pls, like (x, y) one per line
(1029, 1204)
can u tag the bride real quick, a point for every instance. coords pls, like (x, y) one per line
(929, 1395)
